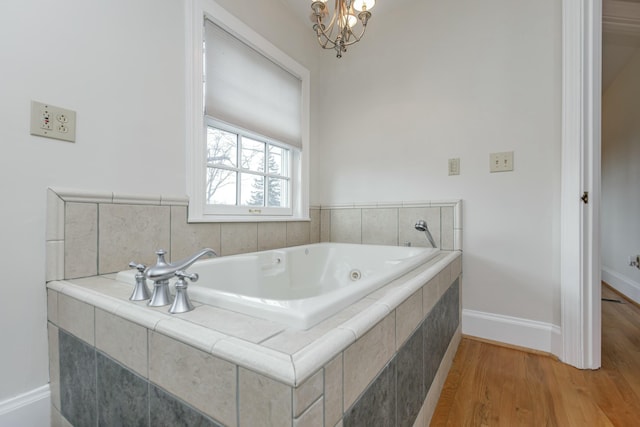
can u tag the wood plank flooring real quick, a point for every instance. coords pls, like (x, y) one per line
(489, 385)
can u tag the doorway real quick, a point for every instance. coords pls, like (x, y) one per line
(620, 228)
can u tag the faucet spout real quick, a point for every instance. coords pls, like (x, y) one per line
(164, 270)
(421, 225)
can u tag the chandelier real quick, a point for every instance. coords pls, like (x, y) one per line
(340, 31)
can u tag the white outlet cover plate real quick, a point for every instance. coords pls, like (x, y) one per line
(53, 122)
(501, 162)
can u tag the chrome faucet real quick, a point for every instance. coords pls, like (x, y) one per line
(421, 225)
(163, 271)
(182, 303)
(140, 291)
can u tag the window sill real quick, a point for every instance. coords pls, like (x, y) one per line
(246, 218)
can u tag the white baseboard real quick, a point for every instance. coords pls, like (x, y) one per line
(28, 409)
(514, 331)
(622, 284)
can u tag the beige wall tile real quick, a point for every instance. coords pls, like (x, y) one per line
(431, 293)
(325, 225)
(200, 379)
(366, 357)
(76, 317)
(187, 239)
(456, 267)
(333, 391)
(298, 233)
(408, 317)
(123, 340)
(81, 240)
(312, 417)
(57, 420)
(445, 280)
(55, 260)
(380, 226)
(272, 235)
(446, 228)
(238, 238)
(346, 225)
(55, 217)
(407, 218)
(314, 226)
(239, 325)
(52, 306)
(263, 401)
(54, 365)
(307, 393)
(131, 233)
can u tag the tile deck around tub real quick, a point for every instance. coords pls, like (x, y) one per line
(285, 354)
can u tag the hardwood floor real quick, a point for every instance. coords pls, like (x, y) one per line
(489, 385)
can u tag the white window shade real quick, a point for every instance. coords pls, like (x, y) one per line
(246, 89)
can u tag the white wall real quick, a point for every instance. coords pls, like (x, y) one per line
(620, 179)
(120, 65)
(463, 79)
(442, 79)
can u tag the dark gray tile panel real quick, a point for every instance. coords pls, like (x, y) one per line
(410, 380)
(377, 406)
(123, 397)
(439, 327)
(77, 381)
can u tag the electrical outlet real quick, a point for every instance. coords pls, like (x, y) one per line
(45, 120)
(501, 162)
(454, 166)
(53, 122)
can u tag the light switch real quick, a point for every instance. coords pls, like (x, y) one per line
(454, 166)
(53, 122)
(501, 162)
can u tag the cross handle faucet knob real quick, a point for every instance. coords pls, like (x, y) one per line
(181, 275)
(140, 267)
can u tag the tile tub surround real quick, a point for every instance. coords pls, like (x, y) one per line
(393, 223)
(233, 376)
(91, 233)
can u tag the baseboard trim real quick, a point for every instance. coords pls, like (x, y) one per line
(30, 408)
(513, 331)
(624, 285)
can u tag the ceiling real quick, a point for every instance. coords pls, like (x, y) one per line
(619, 43)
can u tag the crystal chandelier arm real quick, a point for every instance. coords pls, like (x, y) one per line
(343, 20)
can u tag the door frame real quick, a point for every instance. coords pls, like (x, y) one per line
(580, 222)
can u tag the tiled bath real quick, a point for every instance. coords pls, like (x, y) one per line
(375, 378)
(216, 367)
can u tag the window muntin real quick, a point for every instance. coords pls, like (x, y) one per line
(244, 171)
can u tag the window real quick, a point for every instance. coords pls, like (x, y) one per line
(247, 171)
(248, 150)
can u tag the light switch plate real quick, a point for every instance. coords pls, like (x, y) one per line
(501, 162)
(53, 122)
(454, 166)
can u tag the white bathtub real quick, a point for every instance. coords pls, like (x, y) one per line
(302, 285)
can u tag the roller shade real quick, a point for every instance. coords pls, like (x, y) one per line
(246, 89)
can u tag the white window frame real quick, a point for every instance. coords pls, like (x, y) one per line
(292, 170)
(196, 12)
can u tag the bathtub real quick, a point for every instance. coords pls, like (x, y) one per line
(302, 285)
